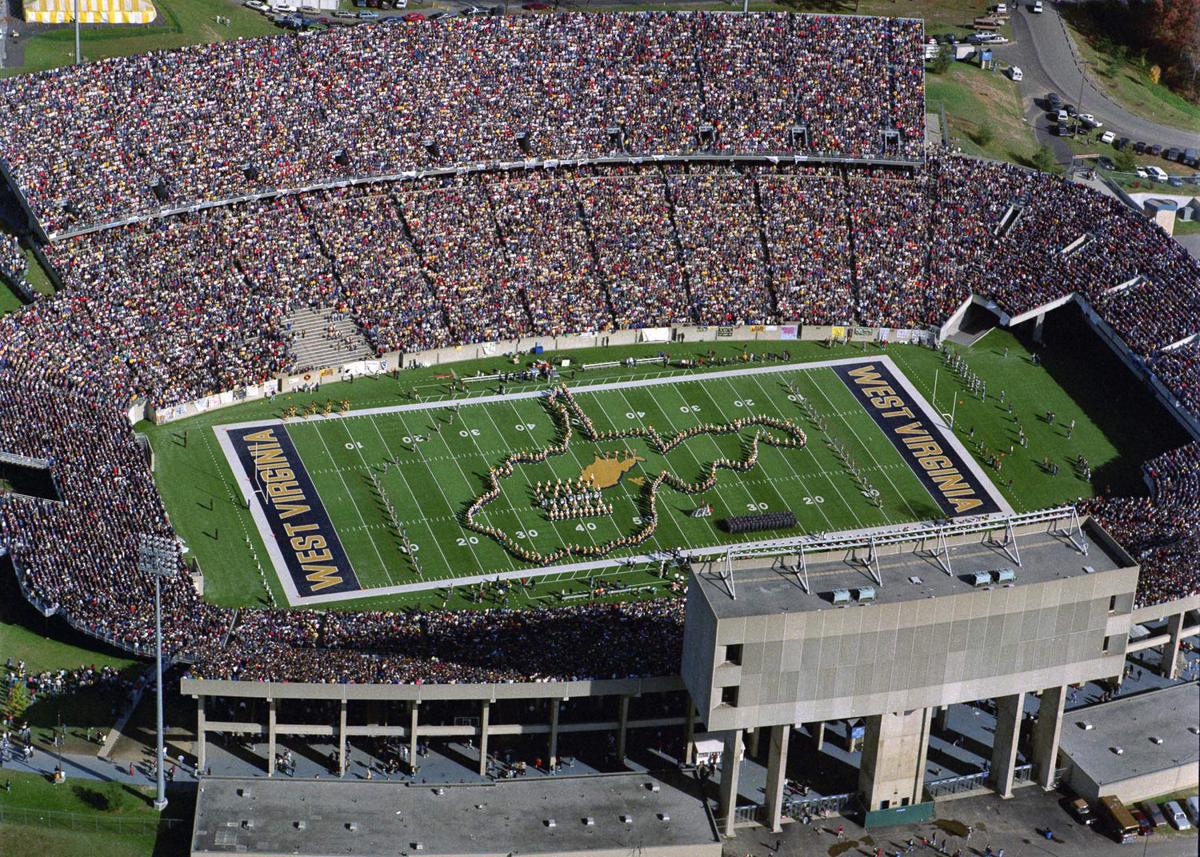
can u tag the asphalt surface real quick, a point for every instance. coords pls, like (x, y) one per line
(1048, 59)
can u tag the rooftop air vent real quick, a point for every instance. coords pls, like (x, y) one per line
(588, 821)
(550, 822)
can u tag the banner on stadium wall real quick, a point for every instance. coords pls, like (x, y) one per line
(837, 331)
(789, 331)
(864, 332)
(656, 334)
(364, 367)
(885, 334)
(725, 331)
(758, 328)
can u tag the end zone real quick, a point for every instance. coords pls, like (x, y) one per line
(285, 504)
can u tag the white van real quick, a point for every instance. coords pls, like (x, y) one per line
(1015, 73)
(1176, 816)
(1157, 173)
(1037, 7)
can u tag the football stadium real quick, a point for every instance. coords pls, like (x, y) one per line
(588, 376)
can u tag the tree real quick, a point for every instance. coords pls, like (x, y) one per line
(984, 134)
(1123, 161)
(1043, 159)
(941, 63)
(16, 701)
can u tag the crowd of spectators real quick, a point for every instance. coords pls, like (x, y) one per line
(96, 142)
(13, 263)
(181, 306)
(1161, 531)
(77, 554)
(636, 638)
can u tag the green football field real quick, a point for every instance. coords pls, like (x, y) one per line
(429, 463)
(432, 481)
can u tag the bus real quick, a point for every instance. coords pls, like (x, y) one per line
(1120, 821)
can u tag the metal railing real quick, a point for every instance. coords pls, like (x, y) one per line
(59, 820)
(798, 808)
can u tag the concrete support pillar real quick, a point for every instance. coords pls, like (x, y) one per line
(730, 765)
(484, 711)
(270, 737)
(414, 710)
(777, 774)
(941, 717)
(622, 728)
(1046, 733)
(552, 751)
(689, 733)
(342, 739)
(820, 736)
(1169, 668)
(752, 743)
(1009, 710)
(201, 740)
(892, 771)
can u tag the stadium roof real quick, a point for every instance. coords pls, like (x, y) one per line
(629, 813)
(909, 574)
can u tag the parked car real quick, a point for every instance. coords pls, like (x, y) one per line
(1121, 143)
(1015, 73)
(1089, 121)
(1107, 137)
(1071, 109)
(1175, 181)
(1157, 174)
(1139, 147)
(340, 13)
(1105, 163)
(1153, 813)
(1171, 154)
(1192, 806)
(1191, 158)
(256, 5)
(368, 16)
(1145, 828)
(413, 17)
(1037, 7)
(1155, 150)
(1079, 810)
(1176, 816)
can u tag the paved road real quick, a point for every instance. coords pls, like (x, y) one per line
(1045, 53)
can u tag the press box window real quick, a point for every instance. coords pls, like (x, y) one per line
(733, 654)
(729, 696)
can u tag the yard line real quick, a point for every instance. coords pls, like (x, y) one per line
(803, 485)
(582, 521)
(433, 478)
(408, 487)
(505, 494)
(915, 514)
(671, 426)
(353, 502)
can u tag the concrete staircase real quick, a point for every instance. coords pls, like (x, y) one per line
(320, 338)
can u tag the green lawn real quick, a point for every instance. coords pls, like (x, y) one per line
(89, 819)
(438, 476)
(984, 112)
(9, 302)
(180, 22)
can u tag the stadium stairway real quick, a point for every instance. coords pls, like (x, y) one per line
(320, 339)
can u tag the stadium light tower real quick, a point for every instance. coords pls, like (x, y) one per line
(157, 557)
(78, 58)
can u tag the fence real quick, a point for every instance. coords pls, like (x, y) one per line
(969, 782)
(818, 806)
(59, 820)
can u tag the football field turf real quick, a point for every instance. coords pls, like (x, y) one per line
(394, 483)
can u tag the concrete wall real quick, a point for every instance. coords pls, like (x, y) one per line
(1182, 778)
(803, 667)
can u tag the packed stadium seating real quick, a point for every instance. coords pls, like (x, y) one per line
(175, 307)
